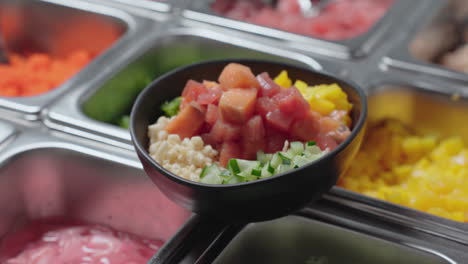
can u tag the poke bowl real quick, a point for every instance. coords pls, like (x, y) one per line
(249, 177)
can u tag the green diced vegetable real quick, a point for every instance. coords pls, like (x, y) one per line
(296, 148)
(311, 143)
(263, 157)
(266, 165)
(171, 108)
(233, 166)
(275, 161)
(285, 158)
(257, 172)
(211, 175)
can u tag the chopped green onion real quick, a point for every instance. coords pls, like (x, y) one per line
(311, 143)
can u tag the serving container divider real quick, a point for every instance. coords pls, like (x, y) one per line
(377, 58)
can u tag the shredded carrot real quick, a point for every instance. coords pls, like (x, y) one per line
(38, 73)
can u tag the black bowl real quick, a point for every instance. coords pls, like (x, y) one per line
(256, 200)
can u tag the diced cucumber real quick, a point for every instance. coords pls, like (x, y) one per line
(233, 166)
(313, 149)
(267, 171)
(248, 165)
(285, 158)
(211, 175)
(299, 161)
(257, 172)
(233, 180)
(296, 148)
(263, 157)
(275, 160)
(284, 167)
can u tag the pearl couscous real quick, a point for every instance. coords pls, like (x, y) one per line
(419, 171)
(185, 158)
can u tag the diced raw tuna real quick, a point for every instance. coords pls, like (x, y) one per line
(267, 86)
(291, 102)
(188, 122)
(279, 120)
(328, 124)
(224, 131)
(274, 140)
(238, 105)
(253, 137)
(307, 128)
(229, 150)
(237, 76)
(265, 105)
(211, 114)
(192, 90)
(211, 96)
(324, 142)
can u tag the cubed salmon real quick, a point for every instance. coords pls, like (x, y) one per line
(237, 76)
(238, 105)
(188, 122)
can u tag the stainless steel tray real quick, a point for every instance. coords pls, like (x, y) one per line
(7, 131)
(67, 114)
(49, 18)
(62, 179)
(344, 49)
(396, 95)
(378, 61)
(431, 13)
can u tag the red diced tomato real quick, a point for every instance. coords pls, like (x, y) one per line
(291, 101)
(211, 114)
(279, 120)
(306, 128)
(211, 96)
(224, 131)
(267, 86)
(229, 150)
(192, 90)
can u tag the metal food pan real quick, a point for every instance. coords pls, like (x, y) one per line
(430, 34)
(433, 107)
(7, 131)
(47, 178)
(325, 232)
(343, 49)
(85, 111)
(57, 28)
(156, 5)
